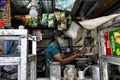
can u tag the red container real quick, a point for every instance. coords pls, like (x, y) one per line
(107, 44)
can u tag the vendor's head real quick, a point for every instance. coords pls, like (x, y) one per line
(2, 24)
(58, 37)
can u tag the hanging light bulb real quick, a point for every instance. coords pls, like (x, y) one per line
(33, 12)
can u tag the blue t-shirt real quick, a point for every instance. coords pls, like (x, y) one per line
(52, 49)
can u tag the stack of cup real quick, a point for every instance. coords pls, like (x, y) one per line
(81, 75)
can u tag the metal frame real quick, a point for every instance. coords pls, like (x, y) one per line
(104, 59)
(22, 60)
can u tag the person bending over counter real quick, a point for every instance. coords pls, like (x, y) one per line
(53, 51)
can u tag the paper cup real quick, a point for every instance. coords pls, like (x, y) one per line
(81, 74)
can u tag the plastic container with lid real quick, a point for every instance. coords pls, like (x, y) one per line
(55, 71)
(70, 72)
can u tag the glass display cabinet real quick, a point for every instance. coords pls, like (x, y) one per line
(109, 63)
(16, 62)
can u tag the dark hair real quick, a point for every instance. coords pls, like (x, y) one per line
(57, 33)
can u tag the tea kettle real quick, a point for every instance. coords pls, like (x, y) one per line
(95, 73)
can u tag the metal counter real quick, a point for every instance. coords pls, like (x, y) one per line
(45, 78)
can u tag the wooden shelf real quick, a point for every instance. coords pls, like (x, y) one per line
(41, 27)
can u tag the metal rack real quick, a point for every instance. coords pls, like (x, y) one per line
(26, 62)
(105, 59)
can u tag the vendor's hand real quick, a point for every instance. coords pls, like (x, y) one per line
(76, 52)
(79, 54)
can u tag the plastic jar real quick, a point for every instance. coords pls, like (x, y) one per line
(70, 72)
(55, 71)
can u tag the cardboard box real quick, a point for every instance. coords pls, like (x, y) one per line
(114, 38)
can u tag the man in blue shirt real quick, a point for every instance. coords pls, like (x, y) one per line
(53, 52)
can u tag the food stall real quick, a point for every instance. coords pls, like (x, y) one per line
(90, 67)
(86, 53)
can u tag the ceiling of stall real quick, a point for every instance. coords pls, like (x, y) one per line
(82, 9)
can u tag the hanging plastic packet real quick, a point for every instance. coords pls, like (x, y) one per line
(73, 30)
(57, 15)
(63, 17)
(64, 4)
(70, 7)
(51, 23)
(44, 18)
(63, 26)
(63, 21)
(51, 16)
(51, 20)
